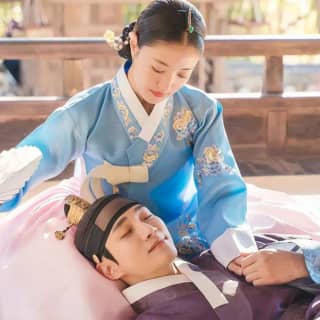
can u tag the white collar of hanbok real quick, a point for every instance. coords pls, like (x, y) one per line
(138, 291)
(148, 123)
(209, 290)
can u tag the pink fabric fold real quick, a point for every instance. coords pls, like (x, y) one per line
(277, 212)
(44, 278)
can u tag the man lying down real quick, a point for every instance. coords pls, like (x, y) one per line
(125, 241)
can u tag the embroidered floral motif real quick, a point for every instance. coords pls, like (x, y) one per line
(190, 243)
(151, 155)
(133, 132)
(152, 151)
(127, 117)
(115, 90)
(158, 138)
(125, 112)
(211, 163)
(184, 124)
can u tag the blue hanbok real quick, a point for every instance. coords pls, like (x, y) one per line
(193, 182)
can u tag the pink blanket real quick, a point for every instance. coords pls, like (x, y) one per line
(43, 278)
(278, 212)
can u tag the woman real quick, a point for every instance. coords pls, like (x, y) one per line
(148, 118)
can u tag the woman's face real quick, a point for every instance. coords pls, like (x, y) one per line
(161, 69)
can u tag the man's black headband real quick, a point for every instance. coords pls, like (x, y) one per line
(96, 224)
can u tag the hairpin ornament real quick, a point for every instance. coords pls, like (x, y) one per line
(190, 27)
(114, 41)
(74, 208)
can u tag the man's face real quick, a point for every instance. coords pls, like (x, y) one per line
(141, 244)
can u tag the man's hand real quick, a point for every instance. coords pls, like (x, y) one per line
(271, 267)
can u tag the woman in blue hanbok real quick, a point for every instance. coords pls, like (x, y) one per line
(165, 139)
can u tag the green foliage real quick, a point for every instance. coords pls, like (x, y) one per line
(273, 17)
(131, 12)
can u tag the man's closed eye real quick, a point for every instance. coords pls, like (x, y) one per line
(126, 233)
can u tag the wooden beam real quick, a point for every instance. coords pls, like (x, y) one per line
(28, 107)
(246, 151)
(264, 45)
(290, 100)
(250, 101)
(54, 48)
(296, 102)
(79, 48)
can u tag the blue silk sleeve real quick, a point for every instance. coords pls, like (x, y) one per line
(221, 190)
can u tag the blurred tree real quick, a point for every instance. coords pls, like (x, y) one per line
(132, 11)
(275, 17)
(9, 10)
(316, 8)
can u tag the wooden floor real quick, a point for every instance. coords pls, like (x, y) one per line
(280, 166)
(298, 185)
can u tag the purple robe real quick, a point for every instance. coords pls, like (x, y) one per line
(313, 310)
(245, 302)
(184, 301)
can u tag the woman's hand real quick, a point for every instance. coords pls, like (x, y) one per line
(271, 267)
(235, 265)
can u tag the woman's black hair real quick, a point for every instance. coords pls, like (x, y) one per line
(166, 20)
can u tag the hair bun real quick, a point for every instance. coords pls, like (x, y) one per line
(127, 29)
(125, 52)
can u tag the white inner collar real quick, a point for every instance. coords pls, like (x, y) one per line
(148, 123)
(138, 291)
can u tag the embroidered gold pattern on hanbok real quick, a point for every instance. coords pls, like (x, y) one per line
(211, 163)
(127, 117)
(184, 124)
(190, 243)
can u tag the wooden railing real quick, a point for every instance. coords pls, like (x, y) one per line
(267, 123)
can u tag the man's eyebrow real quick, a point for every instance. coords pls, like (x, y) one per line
(119, 223)
(166, 65)
(138, 207)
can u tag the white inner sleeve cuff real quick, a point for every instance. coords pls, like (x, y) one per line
(232, 243)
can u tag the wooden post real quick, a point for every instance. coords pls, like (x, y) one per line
(277, 131)
(217, 25)
(202, 76)
(73, 78)
(277, 120)
(273, 75)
